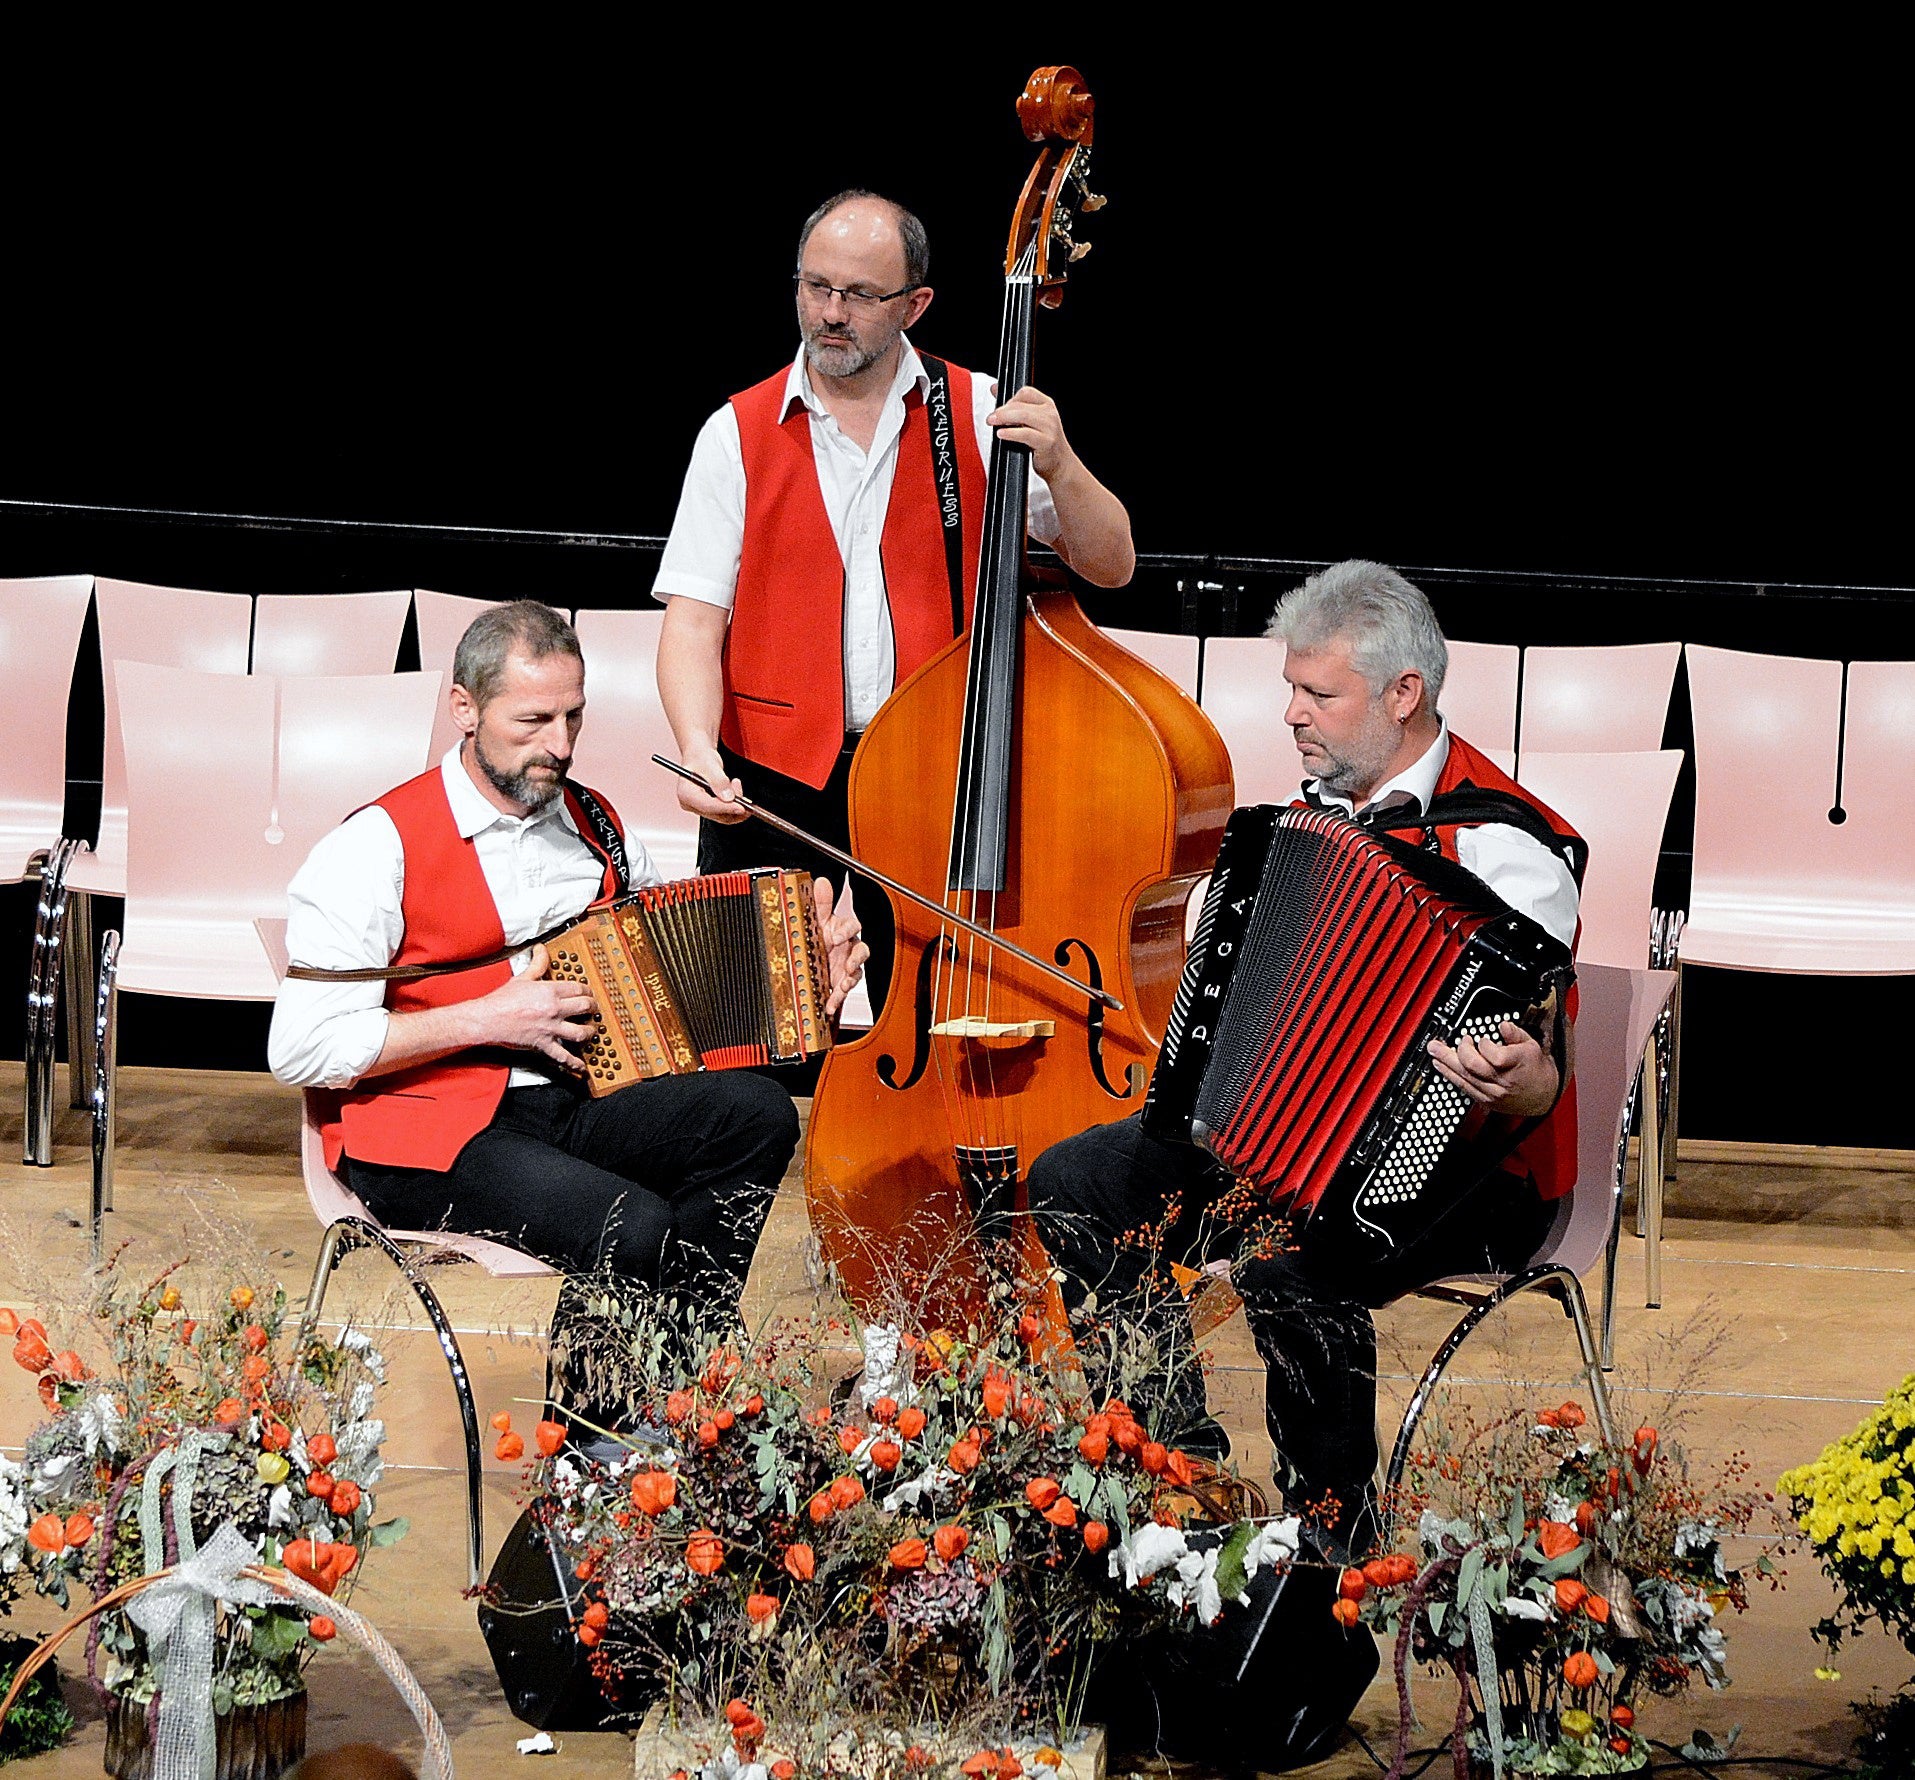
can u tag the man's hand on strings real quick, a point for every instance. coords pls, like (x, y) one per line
(1030, 418)
(705, 762)
(845, 952)
(534, 1012)
(1516, 1077)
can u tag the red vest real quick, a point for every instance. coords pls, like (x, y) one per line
(1548, 1154)
(423, 1116)
(784, 651)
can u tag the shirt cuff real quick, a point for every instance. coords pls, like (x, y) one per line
(673, 583)
(353, 1044)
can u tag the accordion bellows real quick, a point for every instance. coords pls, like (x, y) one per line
(719, 972)
(1325, 960)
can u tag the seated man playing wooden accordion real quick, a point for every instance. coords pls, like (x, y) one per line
(1287, 1137)
(457, 1097)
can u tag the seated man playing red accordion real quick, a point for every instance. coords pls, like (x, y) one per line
(1365, 662)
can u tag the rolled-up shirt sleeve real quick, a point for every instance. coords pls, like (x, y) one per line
(343, 913)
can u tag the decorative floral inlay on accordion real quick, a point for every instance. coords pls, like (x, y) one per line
(719, 972)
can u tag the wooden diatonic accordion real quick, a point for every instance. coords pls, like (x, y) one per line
(720, 972)
(1325, 960)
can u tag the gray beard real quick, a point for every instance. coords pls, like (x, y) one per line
(520, 787)
(852, 358)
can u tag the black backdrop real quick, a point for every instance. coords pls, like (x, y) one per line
(1576, 305)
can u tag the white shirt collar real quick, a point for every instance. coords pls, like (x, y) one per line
(1418, 778)
(798, 388)
(473, 812)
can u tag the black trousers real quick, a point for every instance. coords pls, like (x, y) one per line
(664, 1186)
(734, 846)
(1114, 1205)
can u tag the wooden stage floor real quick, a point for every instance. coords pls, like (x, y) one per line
(1802, 1267)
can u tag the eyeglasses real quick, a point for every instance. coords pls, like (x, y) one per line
(860, 302)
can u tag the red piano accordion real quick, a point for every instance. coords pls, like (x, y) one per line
(1325, 960)
(720, 972)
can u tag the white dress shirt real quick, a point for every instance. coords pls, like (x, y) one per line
(344, 912)
(1511, 861)
(701, 555)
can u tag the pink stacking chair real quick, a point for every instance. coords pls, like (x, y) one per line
(1244, 695)
(1804, 854)
(284, 762)
(40, 624)
(1479, 697)
(348, 1225)
(1618, 1013)
(443, 618)
(1601, 700)
(328, 633)
(624, 727)
(1788, 878)
(1619, 803)
(138, 622)
(1175, 657)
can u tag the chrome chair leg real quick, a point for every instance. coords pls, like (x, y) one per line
(1649, 1180)
(77, 970)
(106, 1039)
(43, 992)
(1567, 1290)
(1616, 1184)
(340, 1239)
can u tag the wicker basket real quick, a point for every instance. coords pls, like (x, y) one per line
(245, 1748)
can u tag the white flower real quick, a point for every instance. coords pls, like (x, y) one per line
(1196, 1585)
(1275, 1543)
(882, 1343)
(1702, 1540)
(1522, 1607)
(1150, 1549)
(1560, 1508)
(908, 1495)
(100, 1422)
(279, 1507)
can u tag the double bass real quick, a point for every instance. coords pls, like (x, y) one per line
(1066, 796)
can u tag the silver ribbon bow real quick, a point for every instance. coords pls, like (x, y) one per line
(180, 1618)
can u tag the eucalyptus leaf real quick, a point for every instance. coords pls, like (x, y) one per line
(389, 1532)
(1231, 1580)
(1437, 1611)
(1467, 1578)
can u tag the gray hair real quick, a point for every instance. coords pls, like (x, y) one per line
(1387, 623)
(526, 625)
(917, 245)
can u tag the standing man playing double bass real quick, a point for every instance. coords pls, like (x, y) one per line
(826, 543)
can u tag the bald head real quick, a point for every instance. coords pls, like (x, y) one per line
(870, 223)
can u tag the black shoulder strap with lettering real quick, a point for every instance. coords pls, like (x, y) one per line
(944, 471)
(601, 835)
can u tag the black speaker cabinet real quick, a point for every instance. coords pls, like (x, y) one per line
(1269, 1687)
(530, 1624)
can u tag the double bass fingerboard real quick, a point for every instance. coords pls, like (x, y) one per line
(719, 972)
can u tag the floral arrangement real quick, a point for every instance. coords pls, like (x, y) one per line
(906, 1571)
(1856, 1506)
(168, 1420)
(1562, 1581)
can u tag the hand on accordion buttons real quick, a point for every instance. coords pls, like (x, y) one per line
(845, 952)
(533, 1012)
(1516, 1077)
